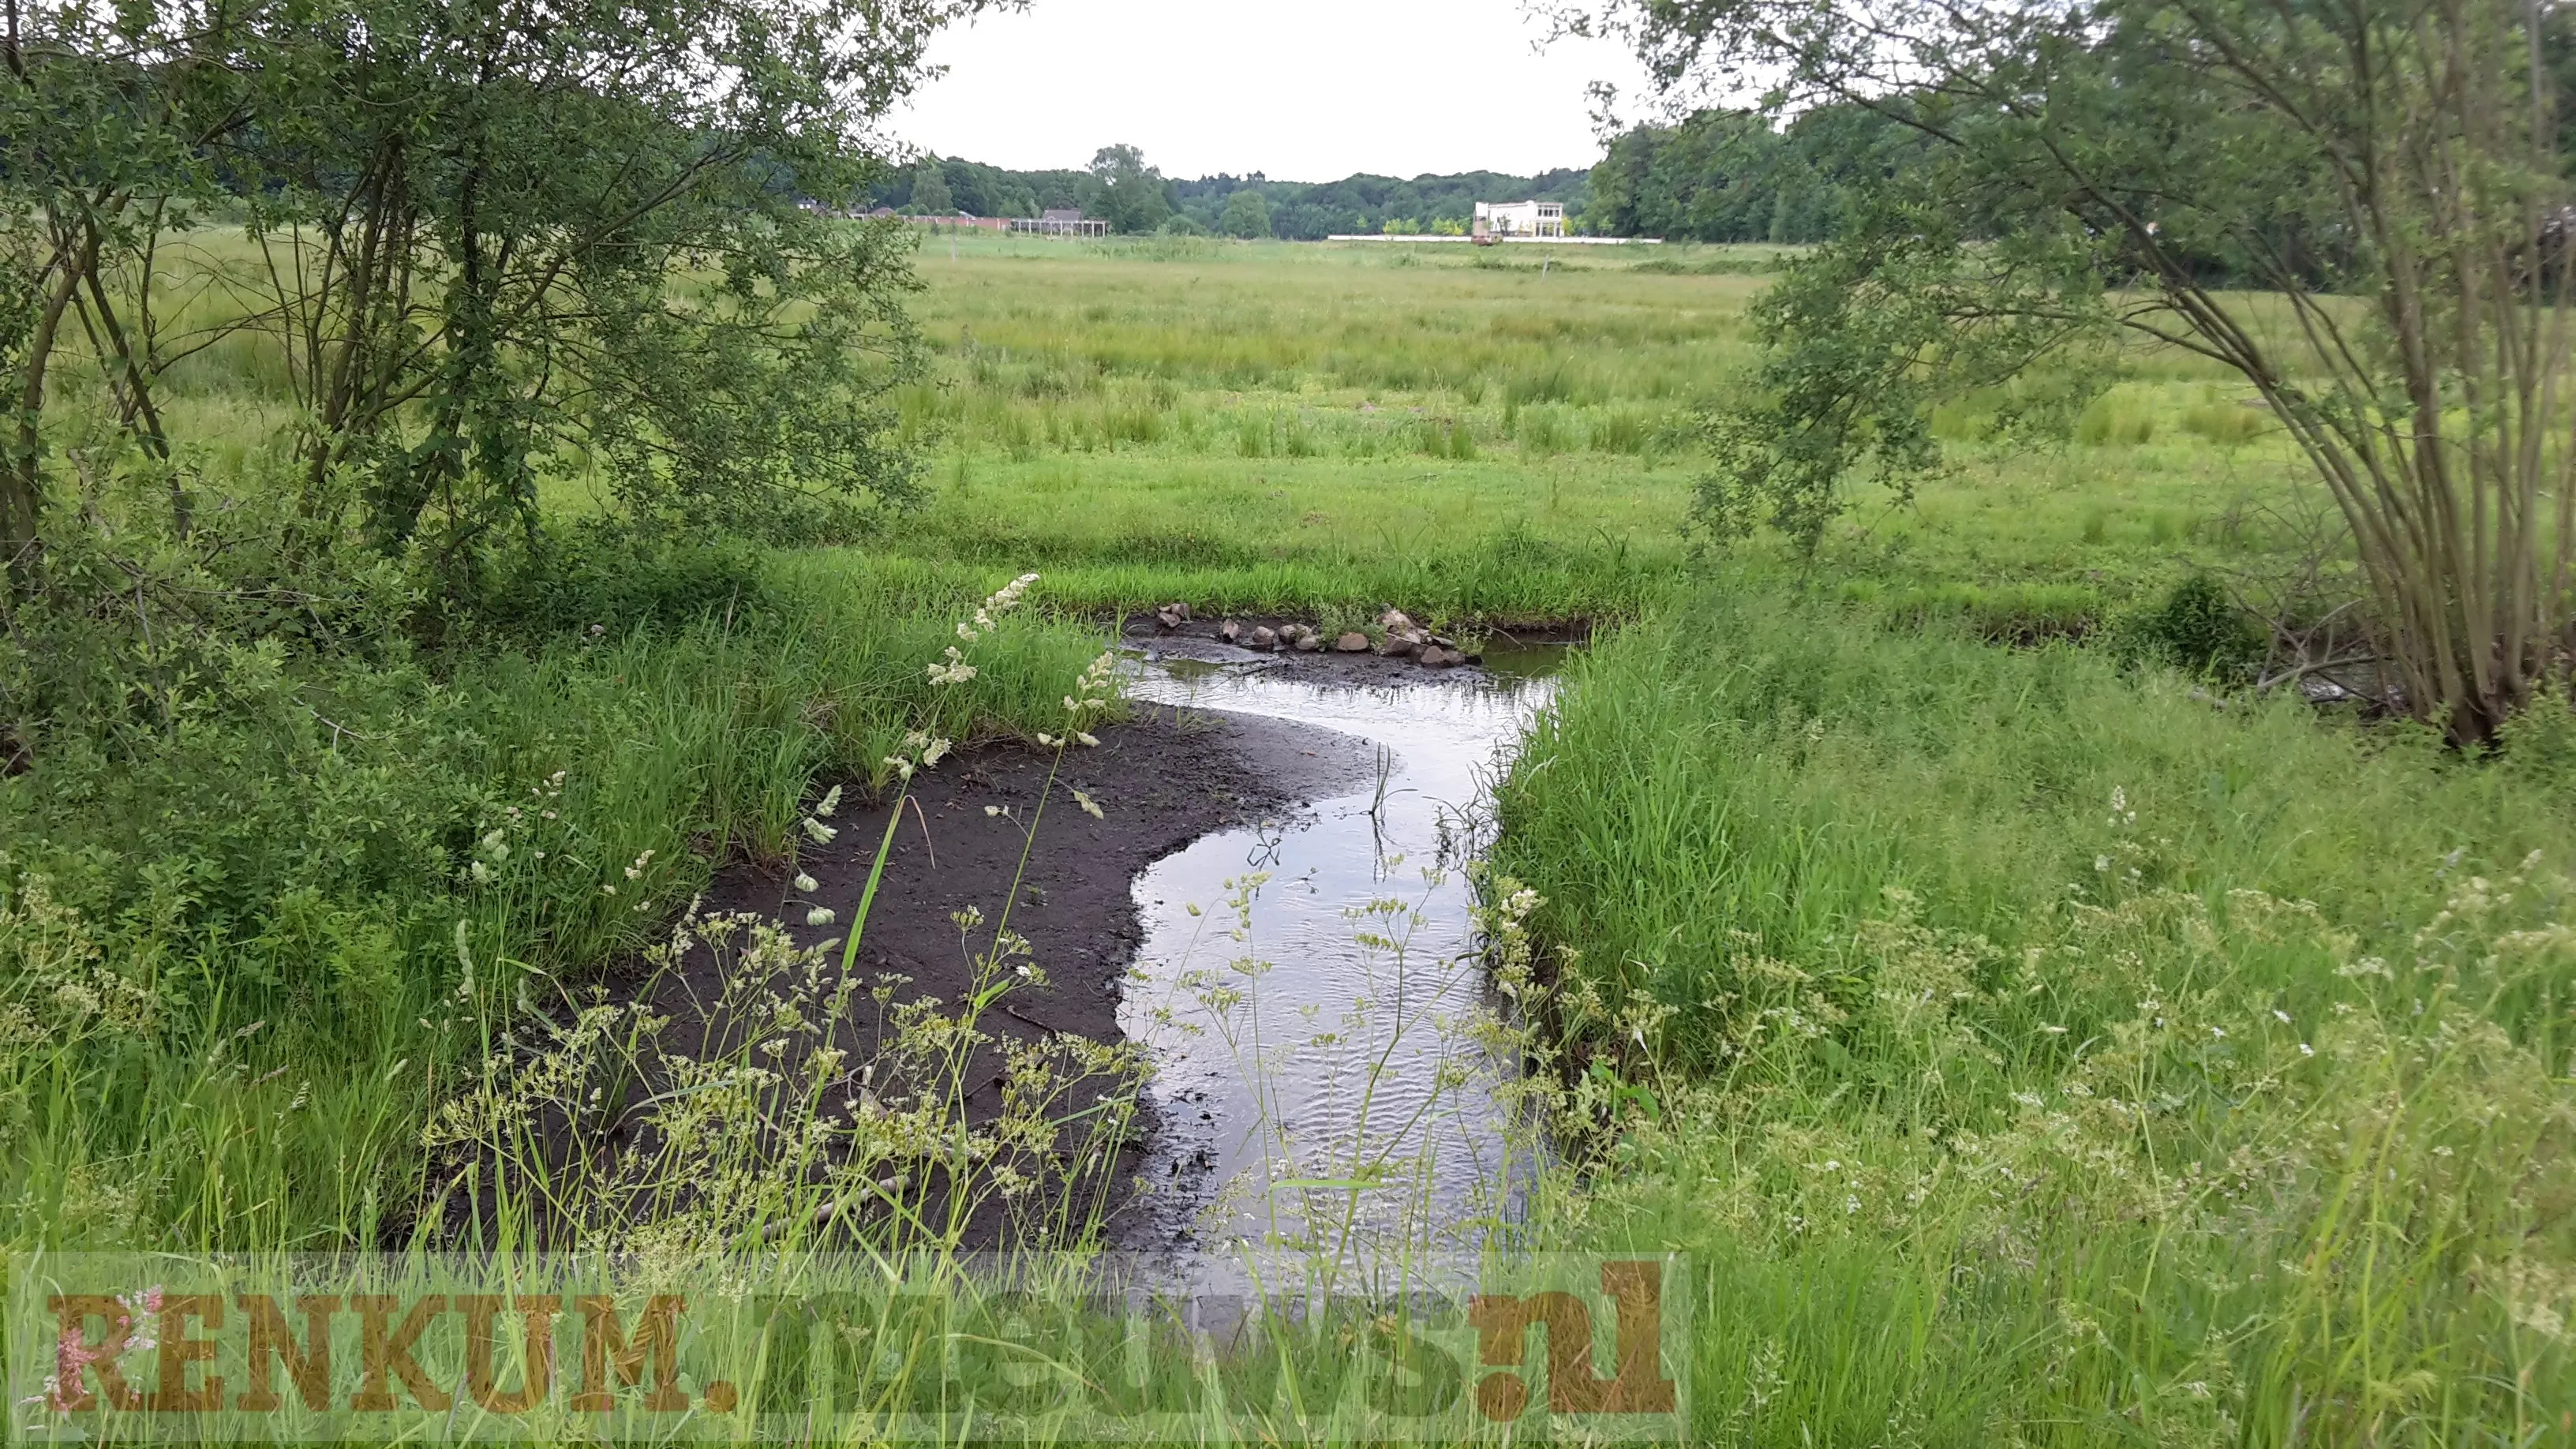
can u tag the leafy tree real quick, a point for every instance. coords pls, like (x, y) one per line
(930, 195)
(1127, 193)
(487, 241)
(1247, 216)
(2386, 171)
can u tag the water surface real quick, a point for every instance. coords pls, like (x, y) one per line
(1313, 1022)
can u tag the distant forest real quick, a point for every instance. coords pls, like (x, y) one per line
(1719, 176)
(1134, 197)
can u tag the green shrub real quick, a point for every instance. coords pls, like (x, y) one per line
(2199, 628)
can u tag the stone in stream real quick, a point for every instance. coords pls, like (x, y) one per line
(1394, 620)
(1230, 631)
(1309, 641)
(1261, 638)
(1353, 642)
(1399, 643)
(1436, 657)
(1172, 615)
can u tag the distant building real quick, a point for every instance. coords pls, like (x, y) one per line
(1500, 219)
(1054, 223)
(1061, 221)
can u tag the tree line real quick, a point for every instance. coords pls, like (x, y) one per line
(1716, 176)
(1119, 187)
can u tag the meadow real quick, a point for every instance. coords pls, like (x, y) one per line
(2033, 1040)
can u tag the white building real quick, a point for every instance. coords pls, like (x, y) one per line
(1500, 219)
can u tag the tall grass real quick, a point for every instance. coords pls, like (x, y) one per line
(2043, 1052)
(287, 880)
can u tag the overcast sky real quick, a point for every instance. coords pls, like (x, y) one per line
(1307, 91)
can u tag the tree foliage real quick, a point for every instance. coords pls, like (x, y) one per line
(2386, 172)
(1246, 216)
(1732, 176)
(485, 241)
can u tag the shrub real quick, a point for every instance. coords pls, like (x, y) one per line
(2200, 629)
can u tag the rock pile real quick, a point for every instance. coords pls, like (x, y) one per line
(1399, 638)
(1407, 639)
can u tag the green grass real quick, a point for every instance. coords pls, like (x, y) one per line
(274, 862)
(1972, 1094)
(2039, 1046)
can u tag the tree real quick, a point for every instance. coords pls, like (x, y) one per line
(485, 240)
(1126, 192)
(2385, 171)
(930, 195)
(1247, 216)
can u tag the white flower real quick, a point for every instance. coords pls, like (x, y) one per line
(831, 801)
(820, 916)
(822, 834)
(2306, 1050)
(807, 884)
(1089, 806)
(2101, 862)
(1048, 740)
(955, 671)
(482, 873)
(992, 810)
(1085, 740)
(934, 752)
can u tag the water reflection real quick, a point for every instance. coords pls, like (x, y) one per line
(1309, 984)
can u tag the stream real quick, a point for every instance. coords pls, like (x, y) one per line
(1309, 986)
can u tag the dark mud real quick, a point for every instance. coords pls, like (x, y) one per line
(1163, 779)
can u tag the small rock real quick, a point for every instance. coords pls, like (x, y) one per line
(1398, 645)
(1230, 631)
(1436, 657)
(1394, 619)
(1172, 616)
(1353, 642)
(1310, 641)
(1261, 638)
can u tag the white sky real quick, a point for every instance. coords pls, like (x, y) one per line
(1308, 91)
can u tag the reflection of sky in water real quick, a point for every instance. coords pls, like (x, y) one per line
(1344, 1060)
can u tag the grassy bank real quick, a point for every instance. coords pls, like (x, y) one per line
(2040, 1051)
(240, 938)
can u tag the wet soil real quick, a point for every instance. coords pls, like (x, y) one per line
(1163, 779)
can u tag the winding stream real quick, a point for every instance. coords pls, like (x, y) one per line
(1309, 987)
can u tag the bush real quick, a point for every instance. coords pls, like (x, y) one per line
(2200, 629)
(567, 584)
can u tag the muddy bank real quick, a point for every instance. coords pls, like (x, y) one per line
(1163, 779)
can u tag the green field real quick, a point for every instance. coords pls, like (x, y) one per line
(2032, 1043)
